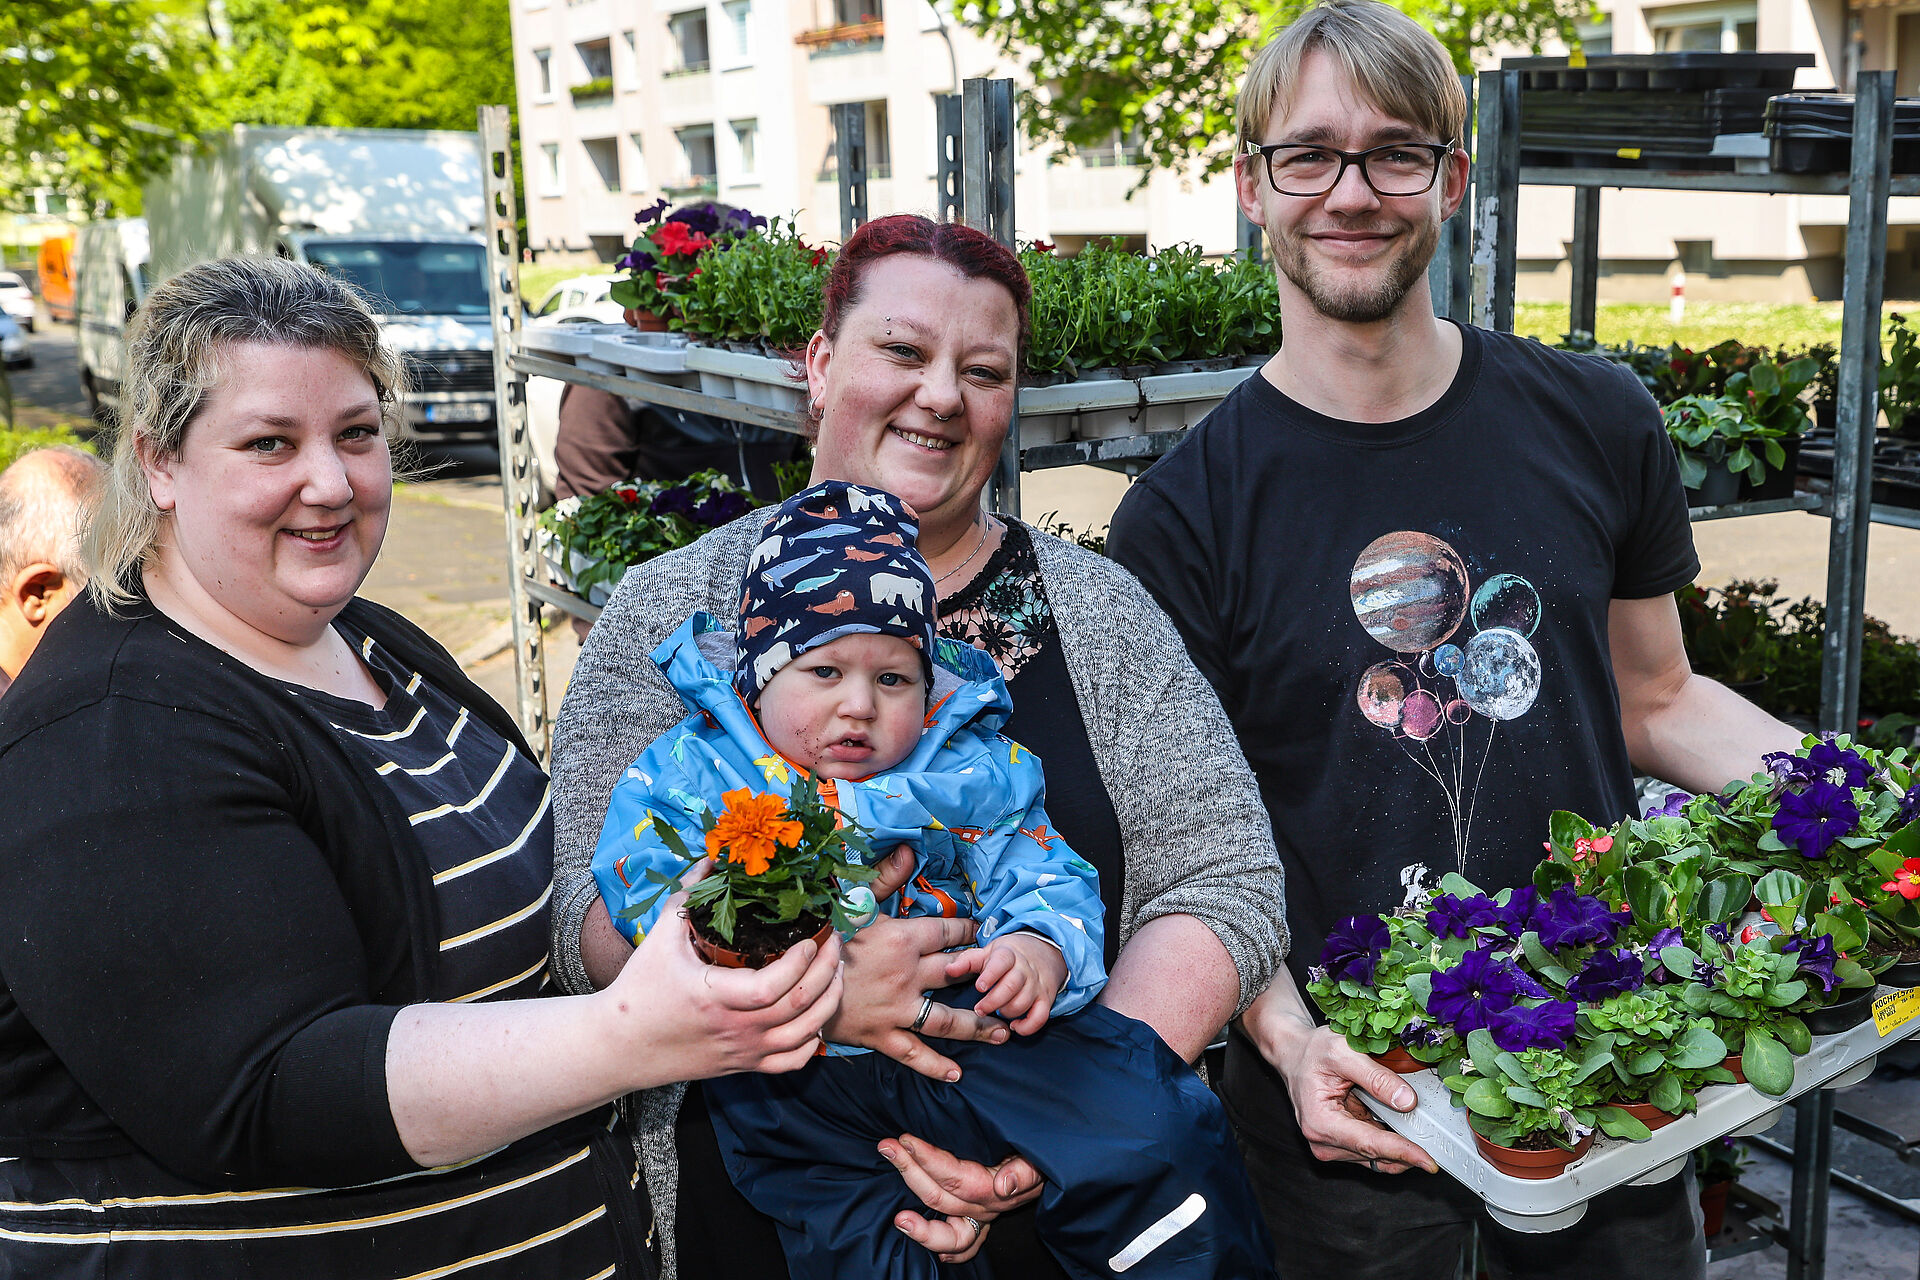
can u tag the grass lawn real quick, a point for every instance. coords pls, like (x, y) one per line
(1792, 326)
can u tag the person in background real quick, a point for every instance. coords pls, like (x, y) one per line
(41, 570)
(604, 439)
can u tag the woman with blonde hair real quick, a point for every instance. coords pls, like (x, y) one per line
(274, 892)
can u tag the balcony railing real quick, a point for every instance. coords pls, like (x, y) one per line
(1110, 158)
(700, 184)
(875, 172)
(689, 69)
(842, 36)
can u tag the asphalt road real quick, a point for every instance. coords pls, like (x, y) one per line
(53, 380)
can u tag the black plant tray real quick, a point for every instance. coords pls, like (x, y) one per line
(1813, 133)
(1689, 71)
(1620, 156)
(1896, 467)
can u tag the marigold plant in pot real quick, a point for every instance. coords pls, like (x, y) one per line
(784, 870)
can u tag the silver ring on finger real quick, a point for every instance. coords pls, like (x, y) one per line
(926, 1007)
(1373, 1164)
(975, 1223)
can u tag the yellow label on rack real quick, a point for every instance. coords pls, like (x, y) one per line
(1628, 153)
(1578, 58)
(1896, 1009)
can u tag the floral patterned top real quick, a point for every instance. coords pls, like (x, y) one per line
(1003, 608)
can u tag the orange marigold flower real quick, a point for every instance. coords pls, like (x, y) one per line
(749, 829)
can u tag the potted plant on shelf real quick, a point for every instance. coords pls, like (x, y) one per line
(668, 255)
(589, 543)
(1717, 1166)
(1534, 1110)
(763, 294)
(1659, 1052)
(781, 872)
(1732, 633)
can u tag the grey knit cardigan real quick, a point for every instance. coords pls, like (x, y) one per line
(1194, 835)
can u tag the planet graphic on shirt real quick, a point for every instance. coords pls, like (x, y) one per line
(1506, 600)
(1447, 659)
(1382, 694)
(1409, 590)
(1499, 675)
(1422, 717)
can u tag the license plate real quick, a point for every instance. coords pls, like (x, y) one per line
(458, 412)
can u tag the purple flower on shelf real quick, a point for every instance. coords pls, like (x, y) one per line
(1421, 1034)
(1457, 917)
(652, 212)
(1570, 918)
(1353, 948)
(1909, 806)
(1705, 972)
(1480, 984)
(704, 218)
(1671, 806)
(1659, 942)
(1839, 766)
(1606, 973)
(1721, 933)
(1520, 1027)
(1817, 958)
(721, 507)
(676, 500)
(741, 220)
(1811, 820)
(637, 261)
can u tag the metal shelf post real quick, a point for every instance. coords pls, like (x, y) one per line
(986, 191)
(520, 489)
(850, 153)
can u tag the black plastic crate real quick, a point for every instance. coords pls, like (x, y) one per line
(1813, 133)
(1687, 71)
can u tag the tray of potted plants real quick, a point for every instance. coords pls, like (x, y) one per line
(1659, 983)
(590, 542)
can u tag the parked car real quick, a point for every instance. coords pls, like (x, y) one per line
(16, 299)
(578, 298)
(13, 343)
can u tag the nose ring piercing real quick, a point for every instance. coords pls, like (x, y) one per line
(938, 418)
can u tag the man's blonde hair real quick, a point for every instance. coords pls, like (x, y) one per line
(1395, 63)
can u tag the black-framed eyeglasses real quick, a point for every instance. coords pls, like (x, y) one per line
(1392, 169)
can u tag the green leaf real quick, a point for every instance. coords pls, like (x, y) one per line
(1767, 1064)
(1484, 1052)
(1646, 1061)
(1697, 1047)
(1780, 889)
(1616, 1123)
(1563, 828)
(1486, 1097)
(1667, 1095)
(1510, 1067)
(1679, 959)
(1793, 1033)
(1723, 898)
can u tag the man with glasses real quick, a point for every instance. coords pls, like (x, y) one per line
(1429, 569)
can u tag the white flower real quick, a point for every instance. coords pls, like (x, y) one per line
(566, 508)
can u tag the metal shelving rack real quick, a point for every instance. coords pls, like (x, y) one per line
(1498, 177)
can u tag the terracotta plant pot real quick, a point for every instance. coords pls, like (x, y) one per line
(715, 952)
(1647, 1114)
(1732, 1063)
(1534, 1165)
(646, 321)
(1841, 1016)
(1398, 1059)
(1713, 1206)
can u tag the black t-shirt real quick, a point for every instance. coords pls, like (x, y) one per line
(1407, 621)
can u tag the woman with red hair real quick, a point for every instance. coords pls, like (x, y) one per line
(912, 379)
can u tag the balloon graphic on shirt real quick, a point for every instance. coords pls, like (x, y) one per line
(1447, 659)
(1458, 712)
(1500, 676)
(1382, 694)
(1506, 600)
(1409, 590)
(1421, 717)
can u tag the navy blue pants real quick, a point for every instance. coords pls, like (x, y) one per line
(1142, 1174)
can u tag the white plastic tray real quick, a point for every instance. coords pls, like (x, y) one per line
(750, 379)
(565, 341)
(1550, 1204)
(651, 353)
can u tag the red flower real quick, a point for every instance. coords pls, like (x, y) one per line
(674, 238)
(1906, 881)
(628, 496)
(1041, 246)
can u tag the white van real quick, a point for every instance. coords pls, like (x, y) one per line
(110, 280)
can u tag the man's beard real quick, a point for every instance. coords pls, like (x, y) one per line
(1360, 304)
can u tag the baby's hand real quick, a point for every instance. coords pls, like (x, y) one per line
(1020, 972)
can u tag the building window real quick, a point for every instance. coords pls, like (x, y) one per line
(543, 71)
(532, 5)
(551, 179)
(1596, 38)
(745, 134)
(689, 32)
(848, 12)
(1121, 149)
(1716, 28)
(739, 26)
(637, 171)
(698, 170)
(596, 59)
(604, 154)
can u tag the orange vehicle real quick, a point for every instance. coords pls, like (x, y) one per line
(56, 277)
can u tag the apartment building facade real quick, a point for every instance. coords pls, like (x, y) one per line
(625, 101)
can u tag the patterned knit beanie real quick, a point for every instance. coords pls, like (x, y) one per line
(835, 560)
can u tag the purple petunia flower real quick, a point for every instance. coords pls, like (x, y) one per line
(1660, 941)
(637, 260)
(1519, 1027)
(1516, 916)
(1570, 918)
(704, 218)
(742, 220)
(1813, 819)
(721, 507)
(1353, 948)
(1721, 933)
(1421, 1034)
(1457, 917)
(1841, 767)
(652, 212)
(676, 500)
(1671, 806)
(1909, 806)
(1606, 973)
(1467, 993)
(1817, 958)
(1788, 767)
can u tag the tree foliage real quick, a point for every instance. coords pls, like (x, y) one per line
(1163, 74)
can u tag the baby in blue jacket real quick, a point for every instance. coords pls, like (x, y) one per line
(835, 669)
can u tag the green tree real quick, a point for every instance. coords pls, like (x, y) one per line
(1163, 74)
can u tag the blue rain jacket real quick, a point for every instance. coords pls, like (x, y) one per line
(968, 801)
